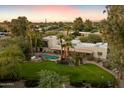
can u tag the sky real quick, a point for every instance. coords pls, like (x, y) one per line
(38, 13)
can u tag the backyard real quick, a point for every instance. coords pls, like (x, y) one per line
(63, 53)
(88, 73)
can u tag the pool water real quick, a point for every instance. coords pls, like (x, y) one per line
(50, 57)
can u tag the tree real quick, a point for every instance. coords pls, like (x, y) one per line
(19, 26)
(2, 29)
(9, 62)
(67, 28)
(88, 26)
(78, 24)
(116, 61)
(34, 38)
(49, 79)
(60, 37)
(29, 36)
(61, 25)
(83, 39)
(91, 38)
(23, 43)
(114, 27)
(39, 41)
(67, 45)
(77, 58)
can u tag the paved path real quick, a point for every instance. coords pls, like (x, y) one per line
(17, 84)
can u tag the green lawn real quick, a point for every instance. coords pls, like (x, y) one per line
(87, 72)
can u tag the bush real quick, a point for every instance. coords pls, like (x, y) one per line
(92, 38)
(64, 61)
(80, 84)
(13, 74)
(83, 39)
(9, 63)
(49, 79)
(94, 84)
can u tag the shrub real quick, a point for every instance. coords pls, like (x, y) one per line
(95, 84)
(92, 38)
(49, 79)
(9, 63)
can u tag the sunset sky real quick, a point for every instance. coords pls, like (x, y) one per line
(36, 13)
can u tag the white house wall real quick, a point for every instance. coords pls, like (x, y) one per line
(54, 43)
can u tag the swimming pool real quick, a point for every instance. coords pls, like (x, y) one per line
(50, 57)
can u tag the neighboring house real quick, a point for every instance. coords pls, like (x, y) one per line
(87, 33)
(98, 50)
(52, 42)
(4, 35)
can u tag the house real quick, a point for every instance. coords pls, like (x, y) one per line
(87, 33)
(4, 35)
(98, 50)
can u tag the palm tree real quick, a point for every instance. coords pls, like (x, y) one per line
(78, 58)
(30, 36)
(60, 37)
(67, 45)
(36, 37)
(67, 39)
(67, 28)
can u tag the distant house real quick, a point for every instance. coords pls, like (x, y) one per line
(88, 33)
(98, 50)
(4, 35)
